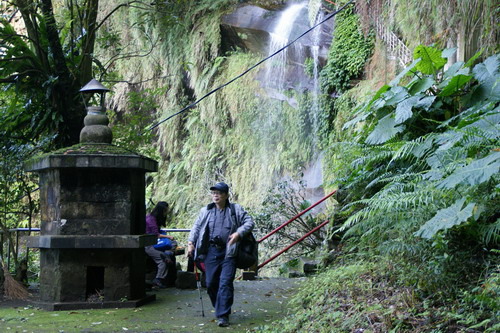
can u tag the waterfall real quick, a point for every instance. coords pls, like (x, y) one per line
(316, 38)
(280, 36)
(286, 70)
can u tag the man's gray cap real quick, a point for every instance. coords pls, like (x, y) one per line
(220, 187)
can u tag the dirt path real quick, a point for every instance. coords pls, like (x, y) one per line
(256, 303)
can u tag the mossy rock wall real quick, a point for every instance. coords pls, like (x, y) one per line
(236, 135)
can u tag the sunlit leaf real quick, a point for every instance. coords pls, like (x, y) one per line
(455, 84)
(475, 173)
(447, 53)
(395, 95)
(470, 62)
(426, 102)
(422, 85)
(431, 59)
(385, 130)
(487, 72)
(403, 110)
(454, 69)
(446, 218)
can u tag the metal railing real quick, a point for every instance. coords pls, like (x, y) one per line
(296, 216)
(396, 47)
(293, 244)
(298, 240)
(16, 230)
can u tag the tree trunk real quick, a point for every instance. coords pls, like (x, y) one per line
(65, 95)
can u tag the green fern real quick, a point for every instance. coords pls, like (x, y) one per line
(490, 233)
(431, 181)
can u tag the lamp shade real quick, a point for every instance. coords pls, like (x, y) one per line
(94, 86)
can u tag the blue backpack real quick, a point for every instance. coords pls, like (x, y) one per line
(163, 244)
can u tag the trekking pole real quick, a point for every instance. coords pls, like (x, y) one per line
(198, 285)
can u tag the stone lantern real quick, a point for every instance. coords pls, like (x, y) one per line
(96, 122)
(92, 204)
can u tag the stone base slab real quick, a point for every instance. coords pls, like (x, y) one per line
(67, 306)
(90, 242)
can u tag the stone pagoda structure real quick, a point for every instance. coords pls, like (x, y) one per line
(92, 203)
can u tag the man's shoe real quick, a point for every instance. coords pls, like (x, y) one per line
(223, 322)
(158, 283)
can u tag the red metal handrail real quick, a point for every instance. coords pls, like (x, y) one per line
(296, 216)
(293, 244)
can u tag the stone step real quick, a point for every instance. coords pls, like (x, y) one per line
(307, 265)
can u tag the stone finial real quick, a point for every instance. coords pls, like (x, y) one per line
(96, 122)
(96, 128)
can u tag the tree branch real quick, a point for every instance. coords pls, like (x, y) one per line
(15, 77)
(114, 10)
(130, 55)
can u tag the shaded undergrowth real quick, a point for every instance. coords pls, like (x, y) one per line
(370, 297)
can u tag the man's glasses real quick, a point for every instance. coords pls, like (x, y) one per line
(216, 193)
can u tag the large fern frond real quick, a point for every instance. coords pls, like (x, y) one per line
(400, 247)
(397, 179)
(490, 233)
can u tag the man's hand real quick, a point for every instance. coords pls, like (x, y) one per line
(233, 238)
(190, 250)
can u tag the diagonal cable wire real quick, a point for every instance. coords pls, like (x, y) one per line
(190, 106)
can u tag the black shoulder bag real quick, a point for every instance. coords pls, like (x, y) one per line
(248, 249)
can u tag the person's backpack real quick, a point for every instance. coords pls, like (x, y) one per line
(248, 248)
(163, 244)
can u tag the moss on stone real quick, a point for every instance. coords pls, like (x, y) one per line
(93, 149)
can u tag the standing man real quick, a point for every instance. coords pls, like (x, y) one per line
(214, 239)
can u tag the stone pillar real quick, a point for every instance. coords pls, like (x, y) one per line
(92, 202)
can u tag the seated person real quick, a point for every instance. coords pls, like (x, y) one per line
(164, 258)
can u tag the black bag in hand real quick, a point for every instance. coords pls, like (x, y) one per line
(247, 252)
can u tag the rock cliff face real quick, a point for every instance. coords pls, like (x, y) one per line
(263, 31)
(251, 28)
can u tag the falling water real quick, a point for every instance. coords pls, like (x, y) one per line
(316, 35)
(280, 36)
(277, 80)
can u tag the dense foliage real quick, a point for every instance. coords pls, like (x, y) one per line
(419, 198)
(470, 22)
(416, 164)
(348, 53)
(44, 64)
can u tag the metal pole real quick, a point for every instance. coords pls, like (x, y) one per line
(198, 285)
(16, 255)
(8, 250)
(296, 216)
(293, 244)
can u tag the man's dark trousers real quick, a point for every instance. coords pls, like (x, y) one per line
(220, 273)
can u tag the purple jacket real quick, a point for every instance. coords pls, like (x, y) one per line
(151, 225)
